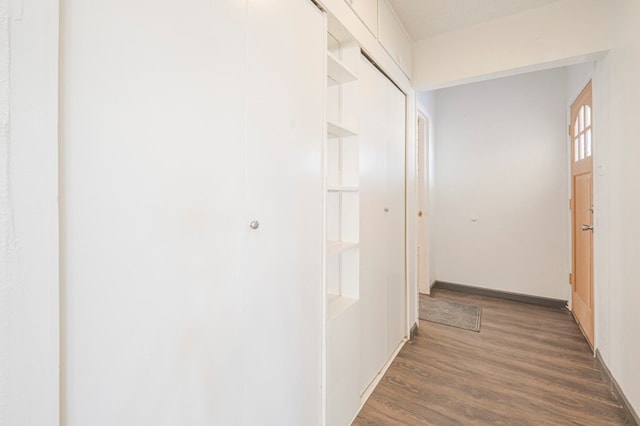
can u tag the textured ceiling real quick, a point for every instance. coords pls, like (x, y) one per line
(426, 18)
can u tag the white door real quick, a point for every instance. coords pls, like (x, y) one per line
(180, 125)
(395, 244)
(373, 224)
(382, 200)
(152, 186)
(286, 45)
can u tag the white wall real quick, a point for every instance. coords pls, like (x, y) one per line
(28, 213)
(501, 170)
(617, 298)
(557, 34)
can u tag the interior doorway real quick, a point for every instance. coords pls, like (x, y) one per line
(581, 131)
(422, 173)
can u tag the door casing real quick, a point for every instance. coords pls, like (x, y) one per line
(581, 136)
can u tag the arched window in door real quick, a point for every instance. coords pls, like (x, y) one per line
(582, 134)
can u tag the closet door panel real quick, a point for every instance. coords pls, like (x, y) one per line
(382, 220)
(152, 190)
(395, 245)
(285, 125)
(373, 178)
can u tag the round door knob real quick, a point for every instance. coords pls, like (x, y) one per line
(254, 224)
(386, 209)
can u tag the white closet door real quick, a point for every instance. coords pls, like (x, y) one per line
(152, 133)
(373, 260)
(396, 291)
(285, 119)
(382, 200)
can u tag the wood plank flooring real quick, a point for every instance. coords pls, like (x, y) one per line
(528, 365)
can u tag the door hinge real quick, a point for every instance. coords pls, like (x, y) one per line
(570, 278)
(570, 204)
(569, 129)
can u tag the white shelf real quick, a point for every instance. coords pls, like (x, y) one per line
(337, 304)
(339, 130)
(338, 72)
(336, 247)
(343, 189)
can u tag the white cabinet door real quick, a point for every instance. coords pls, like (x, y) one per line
(382, 233)
(394, 39)
(285, 125)
(367, 10)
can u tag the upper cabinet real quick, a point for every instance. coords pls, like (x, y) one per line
(367, 11)
(393, 37)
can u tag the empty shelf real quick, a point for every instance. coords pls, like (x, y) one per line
(343, 189)
(338, 72)
(336, 304)
(339, 130)
(337, 247)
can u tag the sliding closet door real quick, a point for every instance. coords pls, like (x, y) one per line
(382, 200)
(285, 125)
(395, 244)
(373, 221)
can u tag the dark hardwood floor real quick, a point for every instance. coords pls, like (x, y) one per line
(528, 365)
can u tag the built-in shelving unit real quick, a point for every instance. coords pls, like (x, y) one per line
(342, 216)
(365, 114)
(342, 199)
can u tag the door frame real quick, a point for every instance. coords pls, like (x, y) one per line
(586, 90)
(423, 124)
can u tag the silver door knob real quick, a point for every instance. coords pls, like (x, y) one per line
(587, 227)
(254, 224)
(386, 209)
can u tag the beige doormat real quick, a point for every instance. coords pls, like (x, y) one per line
(453, 314)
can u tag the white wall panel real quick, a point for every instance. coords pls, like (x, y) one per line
(621, 72)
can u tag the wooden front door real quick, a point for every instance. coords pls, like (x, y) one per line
(582, 210)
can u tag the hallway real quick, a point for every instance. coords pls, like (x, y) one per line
(528, 365)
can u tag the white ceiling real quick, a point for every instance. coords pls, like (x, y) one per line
(425, 18)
